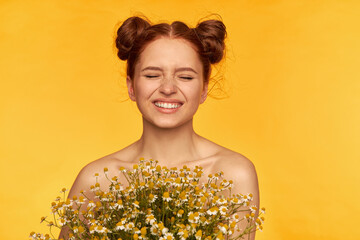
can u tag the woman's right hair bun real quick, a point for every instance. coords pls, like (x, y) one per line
(128, 32)
(212, 34)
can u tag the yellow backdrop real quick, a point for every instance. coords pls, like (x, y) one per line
(293, 108)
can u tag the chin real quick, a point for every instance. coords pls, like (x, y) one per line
(168, 123)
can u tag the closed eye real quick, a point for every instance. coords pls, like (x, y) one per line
(151, 76)
(187, 78)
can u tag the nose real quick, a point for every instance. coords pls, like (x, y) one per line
(168, 86)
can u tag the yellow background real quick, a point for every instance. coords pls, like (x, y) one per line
(292, 76)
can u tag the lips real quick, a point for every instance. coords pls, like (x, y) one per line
(168, 103)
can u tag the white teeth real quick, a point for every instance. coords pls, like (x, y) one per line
(167, 105)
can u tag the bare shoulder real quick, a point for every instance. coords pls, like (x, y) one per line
(230, 162)
(240, 170)
(86, 176)
(235, 163)
(97, 166)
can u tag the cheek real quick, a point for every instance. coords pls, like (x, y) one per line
(144, 89)
(193, 91)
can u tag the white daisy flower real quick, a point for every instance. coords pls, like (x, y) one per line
(193, 217)
(129, 226)
(164, 231)
(90, 214)
(136, 204)
(80, 200)
(223, 229)
(100, 229)
(253, 208)
(223, 210)
(236, 217)
(166, 197)
(92, 229)
(169, 236)
(120, 226)
(68, 203)
(154, 230)
(152, 198)
(262, 210)
(62, 222)
(212, 211)
(150, 219)
(235, 200)
(198, 235)
(91, 204)
(180, 213)
(221, 201)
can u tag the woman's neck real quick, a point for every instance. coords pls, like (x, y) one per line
(169, 146)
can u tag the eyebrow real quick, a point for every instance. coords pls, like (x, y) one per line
(176, 70)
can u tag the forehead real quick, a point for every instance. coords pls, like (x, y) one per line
(167, 53)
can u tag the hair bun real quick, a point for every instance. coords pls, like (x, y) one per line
(212, 34)
(128, 32)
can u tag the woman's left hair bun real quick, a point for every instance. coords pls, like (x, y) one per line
(212, 34)
(127, 33)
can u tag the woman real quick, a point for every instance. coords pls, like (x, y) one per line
(168, 70)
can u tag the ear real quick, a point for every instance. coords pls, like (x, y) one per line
(130, 86)
(204, 93)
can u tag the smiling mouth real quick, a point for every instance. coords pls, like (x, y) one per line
(167, 105)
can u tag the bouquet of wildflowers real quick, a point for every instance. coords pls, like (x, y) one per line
(157, 204)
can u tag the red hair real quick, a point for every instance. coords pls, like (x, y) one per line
(136, 33)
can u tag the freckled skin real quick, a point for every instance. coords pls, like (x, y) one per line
(168, 81)
(170, 138)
